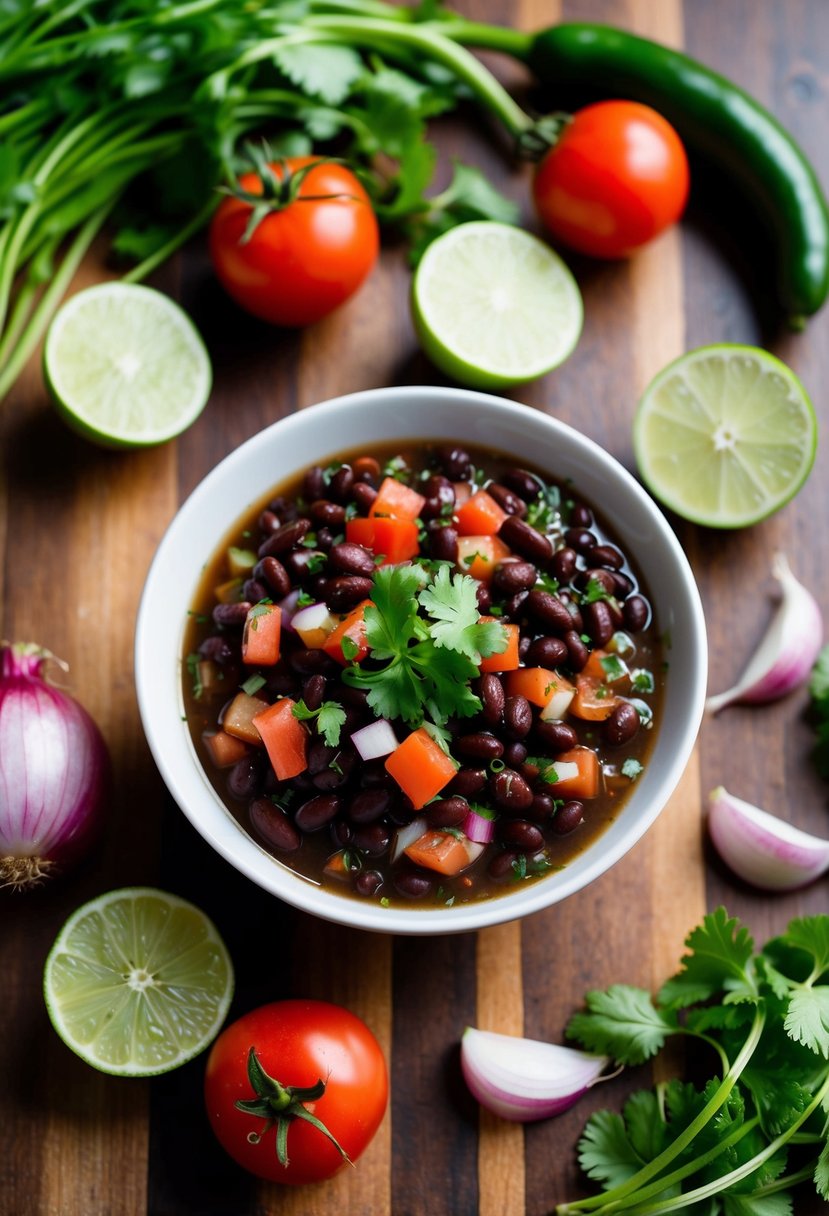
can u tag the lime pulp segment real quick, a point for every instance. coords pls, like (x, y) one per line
(725, 435)
(137, 982)
(498, 300)
(126, 364)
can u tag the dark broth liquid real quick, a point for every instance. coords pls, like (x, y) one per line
(253, 779)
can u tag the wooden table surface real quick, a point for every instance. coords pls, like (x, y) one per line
(78, 528)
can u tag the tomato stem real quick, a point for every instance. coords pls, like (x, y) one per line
(279, 1105)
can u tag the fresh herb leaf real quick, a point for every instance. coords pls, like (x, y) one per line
(452, 602)
(612, 666)
(192, 663)
(330, 719)
(623, 1023)
(642, 680)
(631, 768)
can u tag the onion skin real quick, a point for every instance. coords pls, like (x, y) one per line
(766, 852)
(54, 773)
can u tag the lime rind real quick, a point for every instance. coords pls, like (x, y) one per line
(126, 366)
(725, 435)
(495, 306)
(138, 982)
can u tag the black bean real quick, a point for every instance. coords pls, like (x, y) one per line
(447, 812)
(313, 483)
(341, 832)
(311, 662)
(542, 809)
(546, 652)
(525, 484)
(368, 882)
(573, 608)
(622, 725)
(313, 691)
(317, 812)
(524, 539)
(412, 884)
(271, 571)
(563, 564)
(514, 607)
(521, 835)
(341, 484)
(231, 615)
(507, 499)
(607, 555)
(580, 516)
(325, 538)
(515, 754)
(274, 826)
(511, 576)
(363, 495)
(455, 461)
(346, 591)
(467, 782)
(568, 817)
(246, 778)
(443, 543)
(280, 681)
(598, 622)
(373, 775)
(556, 736)
(518, 717)
(578, 654)
(285, 508)
(218, 649)
(483, 597)
(348, 558)
(605, 578)
(285, 537)
(502, 867)
(268, 522)
(439, 494)
(511, 791)
(369, 805)
(622, 585)
(336, 774)
(372, 838)
(636, 612)
(304, 564)
(491, 692)
(330, 514)
(401, 810)
(253, 591)
(549, 611)
(479, 745)
(580, 539)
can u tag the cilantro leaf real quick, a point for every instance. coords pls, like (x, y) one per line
(776, 1204)
(721, 949)
(811, 934)
(605, 1150)
(391, 619)
(819, 680)
(330, 719)
(452, 601)
(807, 1020)
(323, 71)
(822, 1172)
(622, 1022)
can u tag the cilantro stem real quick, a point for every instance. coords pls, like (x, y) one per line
(681, 1202)
(139, 272)
(489, 37)
(610, 1199)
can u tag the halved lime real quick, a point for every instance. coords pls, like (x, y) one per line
(137, 982)
(126, 365)
(725, 435)
(494, 306)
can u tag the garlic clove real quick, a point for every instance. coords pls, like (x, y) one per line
(787, 653)
(763, 850)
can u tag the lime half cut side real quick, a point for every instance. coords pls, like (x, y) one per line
(137, 982)
(126, 366)
(725, 435)
(494, 306)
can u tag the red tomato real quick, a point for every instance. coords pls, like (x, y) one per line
(617, 177)
(303, 259)
(297, 1043)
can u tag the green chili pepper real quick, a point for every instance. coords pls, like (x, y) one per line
(716, 120)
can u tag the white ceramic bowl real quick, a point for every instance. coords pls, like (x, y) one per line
(318, 434)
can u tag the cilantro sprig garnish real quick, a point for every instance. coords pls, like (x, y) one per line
(330, 719)
(721, 1147)
(426, 641)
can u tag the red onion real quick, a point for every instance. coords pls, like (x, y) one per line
(478, 827)
(54, 770)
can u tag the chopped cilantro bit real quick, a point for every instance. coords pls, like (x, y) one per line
(192, 663)
(546, 582)
(304, 600)
(644, 711)
(519, 867)
(309, 540)
(316, 563)
(253, 683)
(586, 638)
(544, 512)
(631, 768)
(349, 648)
(612, 666)
(198, 617)
(260, 609)
(352, 861)
(330, 718)
(384, 901)
(643, 680)
(397, 468)
(594, 591)
(329, 472)
(484, 812)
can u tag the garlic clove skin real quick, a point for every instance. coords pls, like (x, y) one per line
(765, 851)
(787, 653)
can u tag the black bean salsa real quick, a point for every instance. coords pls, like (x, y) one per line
(422, 675)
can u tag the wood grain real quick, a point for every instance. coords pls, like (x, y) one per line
(78, 528)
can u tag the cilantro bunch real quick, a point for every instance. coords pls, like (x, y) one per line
(737, 1144)
(426, 640)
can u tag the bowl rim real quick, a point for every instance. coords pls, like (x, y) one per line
(240, 848)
